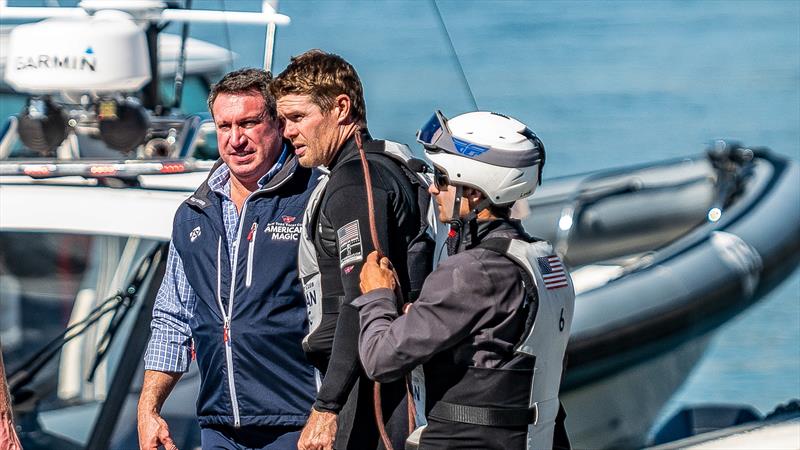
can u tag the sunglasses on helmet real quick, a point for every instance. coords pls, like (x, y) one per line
(440, 179)
(436, 137)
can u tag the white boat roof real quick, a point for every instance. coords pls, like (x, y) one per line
(76, 206)
(201, 57)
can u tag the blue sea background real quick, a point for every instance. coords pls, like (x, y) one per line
(604, 84)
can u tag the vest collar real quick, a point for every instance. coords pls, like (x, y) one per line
(349, 150)
(201, 197)
(511, 228)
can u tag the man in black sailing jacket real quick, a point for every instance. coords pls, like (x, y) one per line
(321, 99)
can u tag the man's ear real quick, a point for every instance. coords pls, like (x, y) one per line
(341, 108)
(473, 195)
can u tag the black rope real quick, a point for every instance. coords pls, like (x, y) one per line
(455, 55)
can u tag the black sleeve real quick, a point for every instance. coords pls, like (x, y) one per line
(347, 211)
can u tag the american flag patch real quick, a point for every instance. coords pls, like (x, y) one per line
(552, 271)
(349, 237)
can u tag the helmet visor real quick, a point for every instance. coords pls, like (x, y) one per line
(435, 136)
(433, 131)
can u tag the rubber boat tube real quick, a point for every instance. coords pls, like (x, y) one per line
(657, 269)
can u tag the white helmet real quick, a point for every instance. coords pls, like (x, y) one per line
(491, 152)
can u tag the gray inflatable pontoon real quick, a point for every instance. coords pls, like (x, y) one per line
(661, 255)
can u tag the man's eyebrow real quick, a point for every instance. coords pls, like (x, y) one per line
(253, 117)
(260, 116)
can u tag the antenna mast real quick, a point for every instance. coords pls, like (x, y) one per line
(270, 6)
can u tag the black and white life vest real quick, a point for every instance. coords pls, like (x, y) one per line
(551, 304)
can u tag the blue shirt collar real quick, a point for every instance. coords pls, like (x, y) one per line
(219, 181)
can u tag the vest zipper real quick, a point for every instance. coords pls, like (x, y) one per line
(226, 334)
(251, 238)
(227, 337)
(229, 351)
(229, 360)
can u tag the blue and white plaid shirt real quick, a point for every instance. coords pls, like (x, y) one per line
(169, 349)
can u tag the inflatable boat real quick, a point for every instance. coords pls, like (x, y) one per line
(661, 255)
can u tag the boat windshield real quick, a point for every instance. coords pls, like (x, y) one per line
(48, 282)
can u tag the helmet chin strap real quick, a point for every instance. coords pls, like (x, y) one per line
(454, 216)
(468, 223)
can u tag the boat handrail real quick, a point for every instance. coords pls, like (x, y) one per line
(127, 170)
(744, 167)
(153, 12)
(9, 129)
(588, 193)
(732, 163)
(180, 135)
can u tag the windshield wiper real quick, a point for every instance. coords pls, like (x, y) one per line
(119, 304)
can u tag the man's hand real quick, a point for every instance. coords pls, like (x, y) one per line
(375, 275)
(153, 431)
(319, 432)
(8, 436)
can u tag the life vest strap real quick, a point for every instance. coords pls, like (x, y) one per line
(478, 415)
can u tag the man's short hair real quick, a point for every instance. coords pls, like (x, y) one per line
(245, 81)
(322, 76)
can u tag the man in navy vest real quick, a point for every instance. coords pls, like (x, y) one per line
(231, 290)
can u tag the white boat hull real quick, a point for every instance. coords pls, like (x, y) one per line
(618, 411)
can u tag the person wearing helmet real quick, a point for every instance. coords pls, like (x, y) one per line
(493, 313)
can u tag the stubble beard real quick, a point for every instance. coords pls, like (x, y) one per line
(309, 161)
(316, 158)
